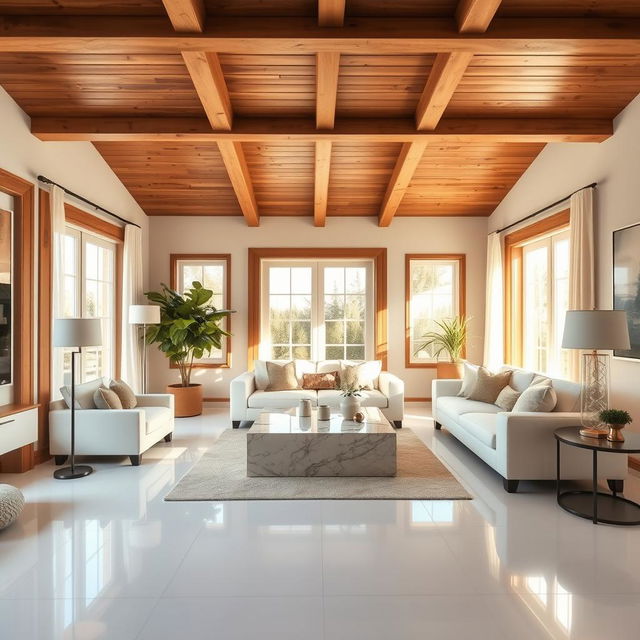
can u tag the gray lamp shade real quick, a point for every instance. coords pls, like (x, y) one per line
(595, 330)
(77, 332)
(144, 314)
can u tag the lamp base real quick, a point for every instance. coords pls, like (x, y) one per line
(68, 473)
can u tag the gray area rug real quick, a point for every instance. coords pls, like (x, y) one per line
(221, 475)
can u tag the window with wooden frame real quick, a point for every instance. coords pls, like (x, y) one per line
(214, 272)
(537, 295)
(434, 291)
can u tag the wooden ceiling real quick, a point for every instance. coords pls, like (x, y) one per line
(320, 108)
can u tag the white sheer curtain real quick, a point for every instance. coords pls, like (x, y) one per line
(132, 293)
(494, 310)
(58, 228)
(582, 293)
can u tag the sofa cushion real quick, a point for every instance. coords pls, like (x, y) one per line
(456, 406)
(105, 398)
(317, 381)
(469, 379)
(281, 399)
(125, 393)
(489, 385)
(301, 366)
(83, 393)
(520, 379)
(369, 398)
(156, 418)
(282, 377)
(507, 398)
(360, 374)
(481, 426)
(538, 397)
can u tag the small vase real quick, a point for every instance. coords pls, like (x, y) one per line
(349, 406)
(615, 433)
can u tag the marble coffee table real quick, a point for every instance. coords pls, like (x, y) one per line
(281, 444)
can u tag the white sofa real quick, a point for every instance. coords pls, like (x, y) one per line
(521, 446)
(111, 432)
(248, 397)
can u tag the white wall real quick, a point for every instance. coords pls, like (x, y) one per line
(615, 166)
(406, 235)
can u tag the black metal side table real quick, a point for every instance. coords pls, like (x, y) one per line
(594, 505)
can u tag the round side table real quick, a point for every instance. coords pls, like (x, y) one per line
(594, 505)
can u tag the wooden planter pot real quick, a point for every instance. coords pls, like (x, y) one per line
(188, 400)
(450, 370)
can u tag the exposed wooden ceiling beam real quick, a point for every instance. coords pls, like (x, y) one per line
(474, 16)
(186, 15)
(446, 73)
(331, 13)
(321, 190)
(236, 164)
(346, 129)
(408, 160)
(382, 36)
(208, 80)
(327, 70)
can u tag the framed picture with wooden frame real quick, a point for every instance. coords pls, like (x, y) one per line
(626, 284)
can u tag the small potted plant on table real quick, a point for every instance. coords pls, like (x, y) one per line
(449, 339)
(350, 403)
(189, 329)
(616, 420)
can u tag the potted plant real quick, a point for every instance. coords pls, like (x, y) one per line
(616, 420)
(189, 328)
(448, 339)
(350, 403)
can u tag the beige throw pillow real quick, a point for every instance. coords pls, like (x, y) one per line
(359, 375)
(106, 399)
(537, 398)
(489, 385)
(468, 380)
(281, 377)
(125, 393)
(83, 394)
(507, 398)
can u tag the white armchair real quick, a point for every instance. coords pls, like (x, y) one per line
(108, 432)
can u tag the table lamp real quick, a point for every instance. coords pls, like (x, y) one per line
(595, 331)
(144, 314)
(75, 333)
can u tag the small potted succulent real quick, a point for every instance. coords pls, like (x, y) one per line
(449, 340)
(350, 403)
(616, 420)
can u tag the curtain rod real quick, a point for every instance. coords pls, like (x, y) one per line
(91, 204)
(593, 185)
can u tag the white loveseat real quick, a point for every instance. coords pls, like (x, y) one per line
(521, 446)
(249, 398)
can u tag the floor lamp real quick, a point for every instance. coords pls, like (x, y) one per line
(75, 333)
(144, 314)
(593, 331)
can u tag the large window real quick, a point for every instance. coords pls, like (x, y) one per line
(434, 289)
(538, 296)
(214, 272)
(317, 310)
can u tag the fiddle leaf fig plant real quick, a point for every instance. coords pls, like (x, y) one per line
(189, 326)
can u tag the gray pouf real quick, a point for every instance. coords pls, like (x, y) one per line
(11, 504)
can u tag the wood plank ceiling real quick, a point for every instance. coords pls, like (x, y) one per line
(320, 108)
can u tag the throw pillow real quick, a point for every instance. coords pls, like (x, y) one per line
(316, 381)
(537, 398)
(507, 398)
(468, 380)
(125, 393)
(362, 375)
(489, 385)
(106, 399)
(84, 394)
(281, 377)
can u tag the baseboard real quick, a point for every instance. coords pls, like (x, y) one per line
(634, 463)
(215, 399)
(417, 399)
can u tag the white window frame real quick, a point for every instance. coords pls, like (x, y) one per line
(318, 344)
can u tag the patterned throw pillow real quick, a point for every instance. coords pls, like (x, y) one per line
(106, 399)
(282, 377)
(317, 381)
(489, 385)
(125, 393)
(360, 375)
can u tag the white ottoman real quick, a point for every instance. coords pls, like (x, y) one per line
(11, 504)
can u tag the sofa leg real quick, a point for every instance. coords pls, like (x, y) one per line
(135, 460)
(437, 425)
(397, 424)
(168, 437)
(510, 486)
(235, 424)
(616, 486)
(60, 459)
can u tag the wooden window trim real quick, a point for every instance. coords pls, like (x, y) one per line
(23, 193)
(89, 222)
(513, 252)
(462, 298)
(174, 258)
(377, 255)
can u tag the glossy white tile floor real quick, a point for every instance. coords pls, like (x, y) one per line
(105, 557)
